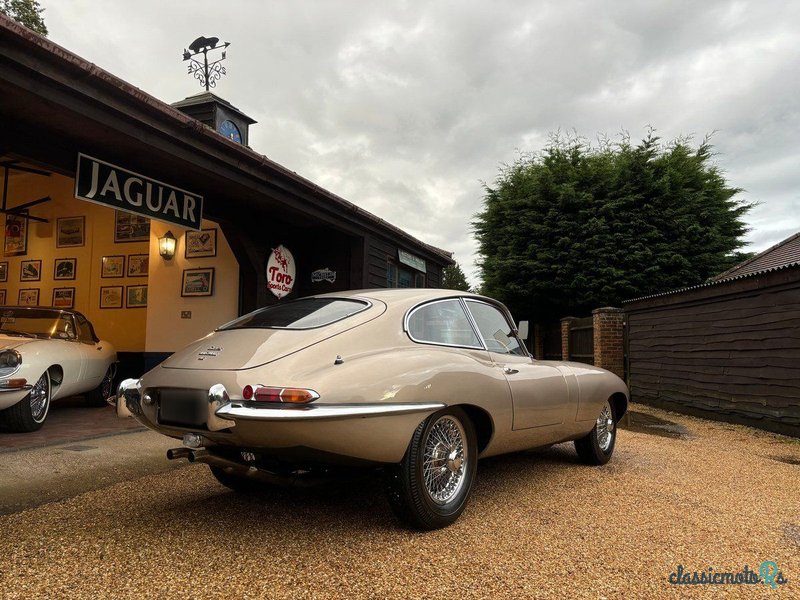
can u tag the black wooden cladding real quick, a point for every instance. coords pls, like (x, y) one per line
(581, 340)
(734, 355)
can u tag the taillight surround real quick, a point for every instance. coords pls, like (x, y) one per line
(278, 395)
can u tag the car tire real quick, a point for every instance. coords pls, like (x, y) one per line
(237, 483)
(597, 446)
(29, 414)
(429, 489)
(97, 397)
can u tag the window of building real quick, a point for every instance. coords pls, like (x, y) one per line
(398, 276)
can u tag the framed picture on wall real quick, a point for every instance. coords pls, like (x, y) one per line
(136, 296)
(30, 270)
(4, 270)
(29, 297)
(113, 266)
(111, 296)
(65, 268)
(64, 297)
(70, 232)
(130, 228)
(201, 244)
(137, 265)
(16, 242)
(198, 282)
(2, 297)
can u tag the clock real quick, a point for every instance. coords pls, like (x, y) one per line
(229, 129)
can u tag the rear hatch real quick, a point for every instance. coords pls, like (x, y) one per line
(238, 349)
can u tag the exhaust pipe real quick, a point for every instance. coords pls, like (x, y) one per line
(176, 453)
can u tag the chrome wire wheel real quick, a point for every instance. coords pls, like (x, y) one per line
(40, 398)
(605, 428)
(107, 384)
(444, 461)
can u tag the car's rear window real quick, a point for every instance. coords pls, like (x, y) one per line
(306, 313)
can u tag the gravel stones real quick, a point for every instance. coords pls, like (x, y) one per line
(539, 525)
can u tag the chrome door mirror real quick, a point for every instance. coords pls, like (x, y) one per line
(522, 330)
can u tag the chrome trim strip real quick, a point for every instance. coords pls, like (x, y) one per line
(236, 410)
(16, 389)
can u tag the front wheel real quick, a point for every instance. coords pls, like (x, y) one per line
(430, 487)
(597, 446)
(29, 413)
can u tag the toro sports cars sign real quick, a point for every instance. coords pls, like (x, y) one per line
(103, 183)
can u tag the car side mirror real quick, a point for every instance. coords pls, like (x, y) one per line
(522, 330)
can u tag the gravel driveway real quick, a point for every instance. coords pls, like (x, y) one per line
(539, 525)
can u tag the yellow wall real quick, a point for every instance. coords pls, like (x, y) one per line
(157, 328)
(166, 330)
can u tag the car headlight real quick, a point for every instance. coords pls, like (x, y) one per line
(10, 361)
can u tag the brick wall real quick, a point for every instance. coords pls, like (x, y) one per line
(609, 350)
(566, 323)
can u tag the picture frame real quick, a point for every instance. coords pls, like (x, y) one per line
(30, 270)
(197, 282)
(138, 265)
(112, 267)
(16, 240)
(65, 268)
(64, 297)
(111, 296)
(4, 270)
(130, 228)
(28, 297)
(2, 297)
(200, 244)
(70, 232)
(136, 296)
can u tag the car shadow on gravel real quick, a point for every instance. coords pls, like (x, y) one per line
(357, 500)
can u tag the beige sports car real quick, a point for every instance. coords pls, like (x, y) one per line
(420, 382)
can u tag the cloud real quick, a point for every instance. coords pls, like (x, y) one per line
(406, 107)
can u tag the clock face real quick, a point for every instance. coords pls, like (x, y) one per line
(230, 131)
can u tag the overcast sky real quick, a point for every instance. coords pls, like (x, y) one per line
(405, 108)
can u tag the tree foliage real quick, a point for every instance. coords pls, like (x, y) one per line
(453, 278)
(27, 12)
(577, 226)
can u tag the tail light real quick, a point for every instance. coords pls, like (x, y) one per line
(261, 393)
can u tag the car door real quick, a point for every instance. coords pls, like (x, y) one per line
(539, 391)
(94, 360)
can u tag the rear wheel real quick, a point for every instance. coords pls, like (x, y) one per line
(430, 487)
(97, 397)
(30, 413)
(597, 446)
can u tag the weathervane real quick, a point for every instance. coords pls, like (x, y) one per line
(207, 73)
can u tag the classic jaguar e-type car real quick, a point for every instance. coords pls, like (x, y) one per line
(47, 354)
(422, 382)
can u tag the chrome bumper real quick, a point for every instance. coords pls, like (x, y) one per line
(222, 412)
(235, 410)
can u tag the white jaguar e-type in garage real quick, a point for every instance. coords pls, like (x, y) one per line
(46, 354)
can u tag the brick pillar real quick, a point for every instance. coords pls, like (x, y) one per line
(538, 342)
(566, 324)
(609, 349)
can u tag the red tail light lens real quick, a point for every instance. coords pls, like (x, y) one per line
(278, 394)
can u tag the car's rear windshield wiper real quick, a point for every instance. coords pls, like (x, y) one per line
(15, 332)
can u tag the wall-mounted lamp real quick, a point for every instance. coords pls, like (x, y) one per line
(166, 245)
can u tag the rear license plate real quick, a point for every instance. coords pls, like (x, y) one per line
(181, 407)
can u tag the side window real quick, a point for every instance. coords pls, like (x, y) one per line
(494, 328)
(442, 322)
(85, 332)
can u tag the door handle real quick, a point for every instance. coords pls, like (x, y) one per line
(510, 371)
